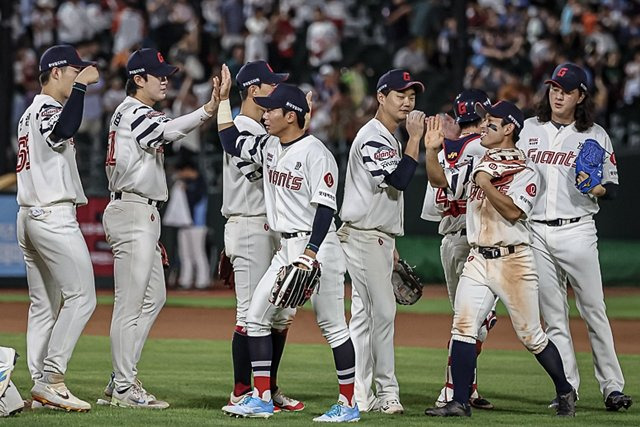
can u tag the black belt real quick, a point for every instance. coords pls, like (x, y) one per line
(462, 232)
(157, 203)
(292, 235)
(492, 252)
(559, 222)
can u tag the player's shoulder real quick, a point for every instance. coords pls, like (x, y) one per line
(315, 148)
(246, 124)
(131, 107)
(45, 105)
(374, 131)
(598, 132)
(532, 123)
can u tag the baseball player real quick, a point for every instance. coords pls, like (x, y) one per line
(249, 241)
(441, 205)
(373, 215)
(300, 198)
(564, 232)
(138, 186)
(500, 261)
(59, 269)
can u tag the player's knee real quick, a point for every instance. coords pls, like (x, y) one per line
(257, 329)
(463, 338)
(465, 328)
(336, 336)
(535, 341)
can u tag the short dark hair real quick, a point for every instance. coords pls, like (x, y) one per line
(516, 129)
(131, 88)
(244, 94)
(44, 77)
(584, 114)
(299, 117)
(467, 125)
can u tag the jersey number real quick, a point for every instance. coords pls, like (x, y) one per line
(23, 154)
(111, 149)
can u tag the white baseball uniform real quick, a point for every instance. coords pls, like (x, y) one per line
(567, 248)
(449, 209)
(500, 263)
(135, 169)
(249, 241)
(299, 176)
(59, 269)
(373, 215)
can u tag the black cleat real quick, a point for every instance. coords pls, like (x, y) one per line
(617, 400)
(451, 409)
(567, 404)
(480, 403)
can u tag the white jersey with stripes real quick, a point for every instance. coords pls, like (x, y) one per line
(46, 168)
(369, 202)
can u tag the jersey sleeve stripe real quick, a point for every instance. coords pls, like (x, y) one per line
(367, 159)
(137, 122)
(374, 144)
(146, 132)
(156, 142)
(379, 172)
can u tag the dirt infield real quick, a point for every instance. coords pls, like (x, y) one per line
(411, 329)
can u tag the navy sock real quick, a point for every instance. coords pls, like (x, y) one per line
(278, 340)
(463, 364)
(551, 361)
(345, 359)
(241, 362)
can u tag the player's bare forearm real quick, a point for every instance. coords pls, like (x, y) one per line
(415, 128)
(501, 202)
(598, 191)
(413, 148)
(435, 173)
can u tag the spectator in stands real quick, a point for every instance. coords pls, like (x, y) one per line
(255, 45)
(323, 40)
(411, 57)
(72, 22)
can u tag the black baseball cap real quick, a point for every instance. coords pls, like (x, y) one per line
(149, 61)
(398, 80)
(284, 96)
(258, 72)
(62, 55)
(502, 110)
(464, 106)
(569, 76)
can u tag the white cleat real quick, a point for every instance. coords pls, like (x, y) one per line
(392, 407)
(51, 391)
(136, 397)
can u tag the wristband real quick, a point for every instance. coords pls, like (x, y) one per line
(80, 86)
(313, 247)
(224, 112)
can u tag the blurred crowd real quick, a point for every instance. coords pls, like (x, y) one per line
(337, 48)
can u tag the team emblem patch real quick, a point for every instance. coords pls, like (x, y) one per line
(531, 189)
(298, 166)
(613, 159)
(380, 242)
(384, 153)
(153, 217)
(328, 179)
(266, 227)
(470, 258)
(493, 166)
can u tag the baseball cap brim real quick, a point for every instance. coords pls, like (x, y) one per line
(163, 70)
(419, 87)
(267, 102)
(83, 64)
(566, 86)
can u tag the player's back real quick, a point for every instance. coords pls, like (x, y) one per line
(130, 166)
(47, 171)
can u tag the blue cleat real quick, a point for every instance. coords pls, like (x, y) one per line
(250, 407)
(340, 413)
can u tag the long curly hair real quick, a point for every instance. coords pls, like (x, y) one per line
(584, 114)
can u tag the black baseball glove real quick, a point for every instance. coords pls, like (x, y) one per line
(407, 286)
(296, 283)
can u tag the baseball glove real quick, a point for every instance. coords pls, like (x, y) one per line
(407, 287)
(296, 283)
(590, 160)
(501, 163)
(225, 270)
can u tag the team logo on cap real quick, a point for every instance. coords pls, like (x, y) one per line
(406, 76)
(160, 57)
(562, 71)
(328, 179)
(293, 107)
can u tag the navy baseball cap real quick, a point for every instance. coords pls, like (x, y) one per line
(464, 106)
(149, 61)
(284, 96)
(258, 72)
(398, 80)
(503, 110)
(569, 77)
(62, 55)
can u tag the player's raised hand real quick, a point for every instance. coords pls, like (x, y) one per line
(225, 82)
(211, 107)
(88, 75)
(434, 135)
(415, 124)
(449, 126)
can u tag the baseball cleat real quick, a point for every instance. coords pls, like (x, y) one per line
(34, 405)
(451, 409)
(285, 403)
(250, 407)
(108, 390)
(480, 403)
(567, 404)
(339, 413)
(235, 400)
(5, 375)
(51, 391)
(554, 403)
(617, 400)
(392, 406)
(136, 397)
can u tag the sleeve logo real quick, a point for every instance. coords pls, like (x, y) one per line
(384, 153)
(328, 179)
(531, 189)
(613, 159)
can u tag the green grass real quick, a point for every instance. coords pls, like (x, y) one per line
(195, 377)
(618, 307)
